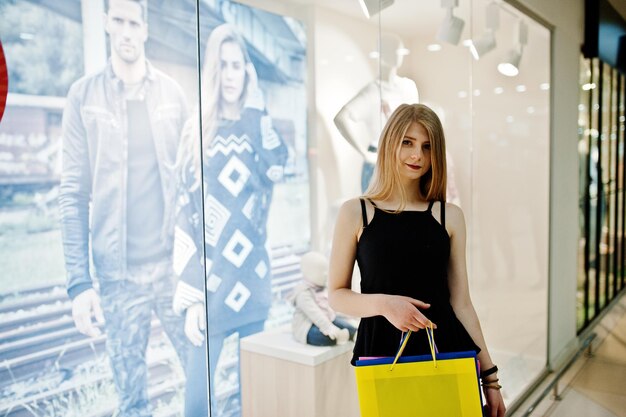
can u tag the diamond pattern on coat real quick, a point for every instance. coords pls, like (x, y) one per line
(234, 176)
(248, 208)
(213, 283)
(237, 249)
(215, 218)
(184, 248)
(237, 297)
(275, 173)
(261, 269)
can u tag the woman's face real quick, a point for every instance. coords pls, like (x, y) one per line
(233, 72)
(414, 153)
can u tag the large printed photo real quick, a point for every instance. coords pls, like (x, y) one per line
(144, 190)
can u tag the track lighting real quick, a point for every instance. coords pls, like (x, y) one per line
(452, 26)
(509, 66)
(371, 7)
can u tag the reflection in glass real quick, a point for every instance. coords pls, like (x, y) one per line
(602, 195)
(510, 148)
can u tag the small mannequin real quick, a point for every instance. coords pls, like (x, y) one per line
(314, 322)
(361, 120)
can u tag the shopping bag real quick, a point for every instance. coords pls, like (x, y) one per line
(436, 385)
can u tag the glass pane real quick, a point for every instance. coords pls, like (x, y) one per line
(584, 138)
(252, 181)
(622, 175)
(613, 219)
(88, 143)
(605, 197)
(510, 162)
(594, 241)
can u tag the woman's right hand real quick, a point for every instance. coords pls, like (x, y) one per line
(404, 313)
(195, 324)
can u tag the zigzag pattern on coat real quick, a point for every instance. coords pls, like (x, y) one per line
(229, 145)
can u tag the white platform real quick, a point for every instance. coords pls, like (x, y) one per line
(281, 377)
(279, 343)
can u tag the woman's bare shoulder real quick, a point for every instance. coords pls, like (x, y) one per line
(351, 207)
(455, 219)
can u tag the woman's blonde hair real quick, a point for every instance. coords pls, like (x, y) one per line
(386, 178)
(210, 103)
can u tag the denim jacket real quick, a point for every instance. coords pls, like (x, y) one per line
(94, 178)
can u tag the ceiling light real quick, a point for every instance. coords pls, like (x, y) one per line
(434, 47)
(510, 65)
(520, 88)
(498, 90)
(544, 86)
(482, 45)
(487, 41)
(589, 86)
(402, 51)
(452, 27)
(372, 7)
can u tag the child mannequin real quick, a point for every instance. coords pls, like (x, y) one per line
(314, 322)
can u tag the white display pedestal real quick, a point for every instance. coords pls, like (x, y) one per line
(283, 378)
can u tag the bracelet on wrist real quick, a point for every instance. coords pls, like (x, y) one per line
(488, 372)
(492, 385)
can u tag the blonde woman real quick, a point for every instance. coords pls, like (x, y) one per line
(242, 158)
(410, 248)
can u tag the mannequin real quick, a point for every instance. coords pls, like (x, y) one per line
(314, 322)
(360, 121)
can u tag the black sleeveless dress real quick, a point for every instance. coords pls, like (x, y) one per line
(407, 254)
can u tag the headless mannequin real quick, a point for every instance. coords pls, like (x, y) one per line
(360, 121)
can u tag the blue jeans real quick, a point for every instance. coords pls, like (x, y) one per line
(316, 338)
(128, 308)
(196, 404)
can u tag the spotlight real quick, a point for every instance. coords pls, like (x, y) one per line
(510, 65)
(487, 41)
(484, 44)
(452, 26)
(371, 7)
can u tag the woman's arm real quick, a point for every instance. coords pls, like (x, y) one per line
(401, 311)
(462, 303)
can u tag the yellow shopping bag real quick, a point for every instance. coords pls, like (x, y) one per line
(437, 385)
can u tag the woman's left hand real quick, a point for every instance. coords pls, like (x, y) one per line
(495, 403)
(252, 77)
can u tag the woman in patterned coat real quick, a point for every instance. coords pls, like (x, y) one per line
(242, 158)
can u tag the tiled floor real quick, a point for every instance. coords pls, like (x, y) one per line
(596, 385)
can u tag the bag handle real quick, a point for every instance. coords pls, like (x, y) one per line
(431, 342)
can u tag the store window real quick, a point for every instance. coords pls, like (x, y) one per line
(601, 150)
(265, 119)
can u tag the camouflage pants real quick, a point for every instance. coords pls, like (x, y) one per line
(128, 306)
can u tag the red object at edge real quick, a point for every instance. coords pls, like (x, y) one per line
(4, 82)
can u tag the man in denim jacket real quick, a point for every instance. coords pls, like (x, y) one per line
(121, 129)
